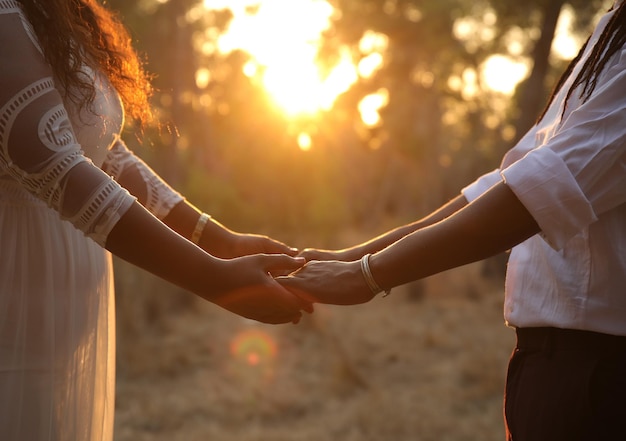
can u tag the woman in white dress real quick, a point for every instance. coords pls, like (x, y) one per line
(70, 193)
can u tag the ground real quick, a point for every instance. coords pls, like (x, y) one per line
(426, 363)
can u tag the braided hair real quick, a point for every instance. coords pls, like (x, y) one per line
(611, 41)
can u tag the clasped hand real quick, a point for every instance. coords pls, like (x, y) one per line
(265, 292)
(252, 292)
(333, 282)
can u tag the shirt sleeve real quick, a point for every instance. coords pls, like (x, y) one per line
(488, 180)
(481, 185)
(38, 147)
(157, 196)
(580, 171)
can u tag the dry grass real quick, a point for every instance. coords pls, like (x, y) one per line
(427, 363)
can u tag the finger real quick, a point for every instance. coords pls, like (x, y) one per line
(285, 249)
(282, 262)
(280, 272)
(308, 306)
(306, 299)
(273, 246)
(309, 254)
(305, 305)
(291, 301)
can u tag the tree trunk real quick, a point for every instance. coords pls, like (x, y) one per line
(534, 90)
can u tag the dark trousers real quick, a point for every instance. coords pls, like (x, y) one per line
(566, 385)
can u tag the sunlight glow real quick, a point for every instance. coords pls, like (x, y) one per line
(283, 38)
(304, 141)
(203, 77)
(502, 74)
(370, 64)
(372, 42)
(372, 46)
(370, 106)
(477, 29)
(564, 45)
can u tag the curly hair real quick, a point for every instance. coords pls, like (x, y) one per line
(74, 33)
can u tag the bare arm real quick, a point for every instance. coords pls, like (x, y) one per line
(241, 285)
(489, 225)
(386, 239)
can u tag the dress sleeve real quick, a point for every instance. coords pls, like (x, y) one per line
(156, 195)
(578, 173)
(38, 148)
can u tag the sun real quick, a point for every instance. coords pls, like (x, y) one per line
(282, 38)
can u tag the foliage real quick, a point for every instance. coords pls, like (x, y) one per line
(232, 132)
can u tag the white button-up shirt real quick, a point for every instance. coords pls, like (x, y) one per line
(569, 171)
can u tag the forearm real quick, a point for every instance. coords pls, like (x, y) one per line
(217, 239)
(183, 217)
(243, 285)
(214, 237)
(489, 225)
(144, 241)
(386, 239)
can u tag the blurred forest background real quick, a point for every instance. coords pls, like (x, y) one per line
(323, 123)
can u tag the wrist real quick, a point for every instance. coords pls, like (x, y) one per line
(219, 240)
(217, 279)
(199, 228)
(352, 254)
(371, 282)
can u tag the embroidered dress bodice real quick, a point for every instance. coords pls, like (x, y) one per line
(56, 151)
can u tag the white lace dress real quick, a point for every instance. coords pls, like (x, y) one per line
(57, 206)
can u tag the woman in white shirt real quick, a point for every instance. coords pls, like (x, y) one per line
(69, 191)
(559, 201)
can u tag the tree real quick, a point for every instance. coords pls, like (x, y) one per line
(532, 93)
(441, 126)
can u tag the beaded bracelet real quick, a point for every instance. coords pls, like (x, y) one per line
(199, 228)
(369, 278)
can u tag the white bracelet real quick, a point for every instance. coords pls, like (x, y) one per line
(197, 231)
(369, 278)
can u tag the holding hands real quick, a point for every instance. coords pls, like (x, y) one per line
(333, 282)
(255, 294)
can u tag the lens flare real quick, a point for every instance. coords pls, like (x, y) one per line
(253, 353)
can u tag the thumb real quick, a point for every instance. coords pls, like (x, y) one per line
(275, 247)
(292, 284)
